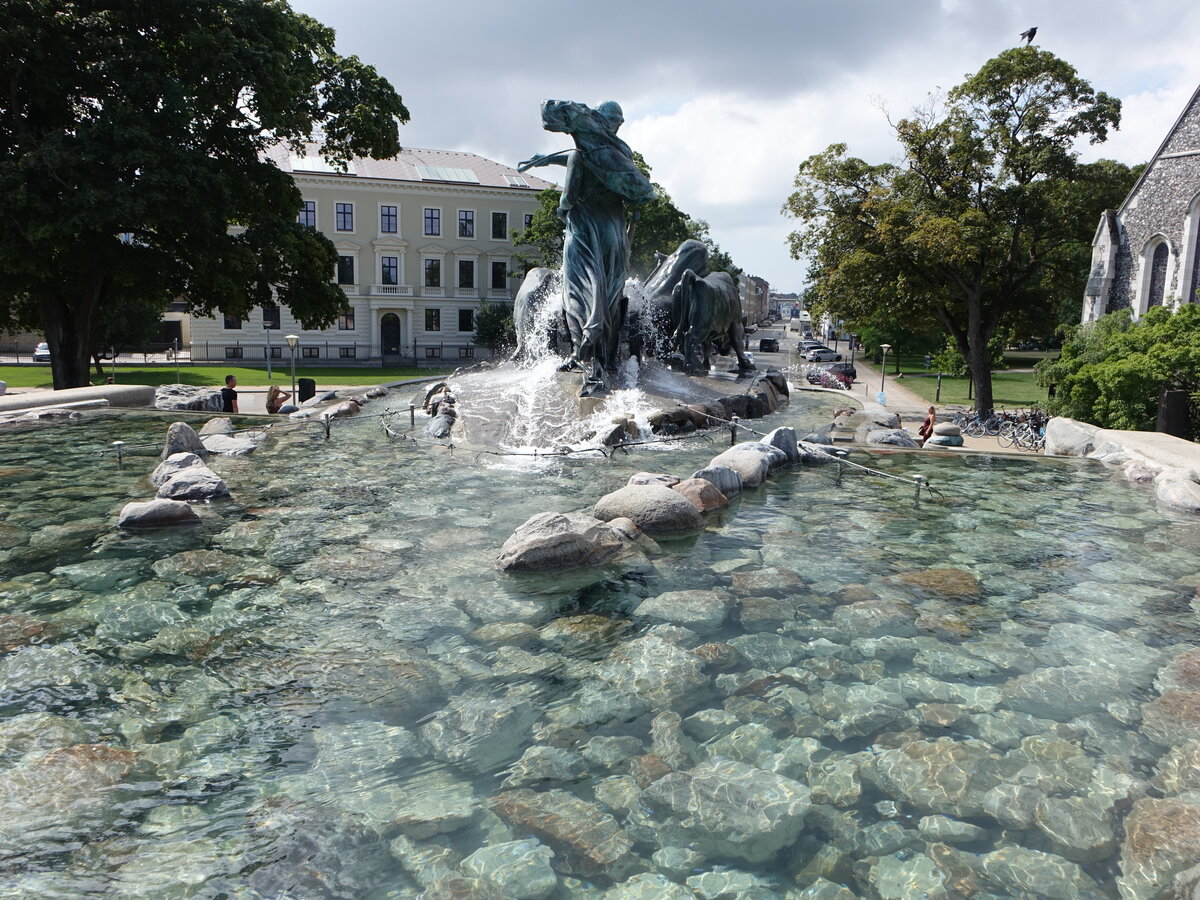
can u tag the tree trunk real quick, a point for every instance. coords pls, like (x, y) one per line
(68, 332)
(978, 359)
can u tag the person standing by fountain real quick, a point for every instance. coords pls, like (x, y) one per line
(601, 177)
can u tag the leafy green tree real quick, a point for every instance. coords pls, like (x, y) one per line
(964, 229)
(132, 142)
(1112, 371)
(127, 324)
(494, 327)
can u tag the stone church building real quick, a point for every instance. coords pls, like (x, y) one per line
(1147, 252)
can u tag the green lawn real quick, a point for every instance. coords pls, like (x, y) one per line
(214, 376)
(1009, 389)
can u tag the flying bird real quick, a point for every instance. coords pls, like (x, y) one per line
(1029, 35)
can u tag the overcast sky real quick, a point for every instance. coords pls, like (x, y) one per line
(725, 99)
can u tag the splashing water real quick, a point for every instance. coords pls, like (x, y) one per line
(529, 404)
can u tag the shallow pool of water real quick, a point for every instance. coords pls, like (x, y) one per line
(328, 690)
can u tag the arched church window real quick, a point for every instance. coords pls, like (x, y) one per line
(1158, 276)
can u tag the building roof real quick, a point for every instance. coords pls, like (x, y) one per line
(1191, 109)
(415, 165)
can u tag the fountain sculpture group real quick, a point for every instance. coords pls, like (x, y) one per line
(683, 310)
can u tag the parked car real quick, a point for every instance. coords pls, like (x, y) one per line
(768, 345)
(836, 374)
(42, 352)
(823, 354)
(804, 346)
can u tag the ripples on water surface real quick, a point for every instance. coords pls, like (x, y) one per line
(328, 691)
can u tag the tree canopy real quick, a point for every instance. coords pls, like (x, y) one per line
(981, 221)
(1111, 371)
(132, 142)
(661, 227)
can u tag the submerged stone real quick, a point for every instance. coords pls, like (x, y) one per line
(519, 869)
(586, 840)
(729, 808)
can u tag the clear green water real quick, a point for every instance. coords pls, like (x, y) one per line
(319, 692)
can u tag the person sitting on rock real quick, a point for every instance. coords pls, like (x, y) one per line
(275, 398)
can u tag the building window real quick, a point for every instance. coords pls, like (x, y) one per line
(387, 219)
(271, 317)
(308, 214)
(433, 320)
(275, 352)
(233, 352)
(347, 352)
(466, 223)
(466, 352)
(1158, 276)
(466, 273)
(310, 352)
(433, 352)
(528, 220)
(499, 226)
(346, 321)
(499, 276)
(466, 320)
(433, 222)
(389, 269)
(232, 323)
(433, 273)
(345, 270)
(345, 217)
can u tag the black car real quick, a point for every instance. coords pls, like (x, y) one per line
(836, 374)
(768, 345)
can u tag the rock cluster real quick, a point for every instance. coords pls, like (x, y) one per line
(653, 504)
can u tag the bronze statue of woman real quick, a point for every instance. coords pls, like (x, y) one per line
(601, 176)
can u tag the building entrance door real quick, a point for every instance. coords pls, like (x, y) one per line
(389, 337)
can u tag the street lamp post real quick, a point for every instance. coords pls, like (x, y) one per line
(267, 329)
(883, 373)
(292, 341)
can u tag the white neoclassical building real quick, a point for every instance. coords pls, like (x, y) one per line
(1147, 251)
(422, 239)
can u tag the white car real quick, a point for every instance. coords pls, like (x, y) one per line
(823, 354)
(42, 352)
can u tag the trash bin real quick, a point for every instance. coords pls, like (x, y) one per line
(306, 388)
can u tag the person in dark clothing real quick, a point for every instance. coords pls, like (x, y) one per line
(229, 395)
(926, 430)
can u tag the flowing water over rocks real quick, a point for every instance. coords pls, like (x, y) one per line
(327, 688)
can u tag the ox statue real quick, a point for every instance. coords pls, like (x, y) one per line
(709, 313)
(655, 319)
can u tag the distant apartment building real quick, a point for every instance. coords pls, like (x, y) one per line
(422, 238)
(754, 293)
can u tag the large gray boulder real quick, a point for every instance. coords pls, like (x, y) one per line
(194, 483)
(654, 508)
(1066, 437)
(187, 396)
(219, 425)
(1178, 489)
(182, 438)
(897, 437)
(553, 542)
(723, 478)
(172, 466)
(157, 513)
(318, 399)
(231, 445)
(784, 439)
(749, 460)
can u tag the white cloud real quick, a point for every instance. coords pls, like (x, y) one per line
(725, 101)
